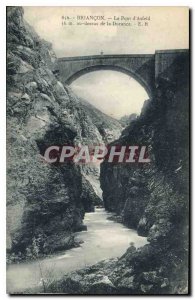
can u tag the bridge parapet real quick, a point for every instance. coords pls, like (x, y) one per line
(166, 61)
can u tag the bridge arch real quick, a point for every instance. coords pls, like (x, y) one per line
(99, 67)
(139, 66)
(145, 68)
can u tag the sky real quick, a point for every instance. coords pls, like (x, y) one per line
(167, 29)
(119, 90)
(113, 92)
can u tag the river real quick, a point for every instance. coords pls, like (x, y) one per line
(103, 239)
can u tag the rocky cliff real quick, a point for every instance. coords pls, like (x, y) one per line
(163, 127)
(127, 119)
(153, 198)
(45, 203)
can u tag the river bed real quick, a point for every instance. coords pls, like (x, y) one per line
(103, 239)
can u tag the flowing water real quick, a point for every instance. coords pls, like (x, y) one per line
(103, 239)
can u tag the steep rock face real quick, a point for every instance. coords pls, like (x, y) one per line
(109, 128)
(133, 189)
(45, 203)
(126, 120)
(153, 198)
(94, 128)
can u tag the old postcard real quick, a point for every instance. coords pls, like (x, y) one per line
(98, 150)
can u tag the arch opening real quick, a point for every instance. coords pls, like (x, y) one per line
(115, 93)
(104, 67)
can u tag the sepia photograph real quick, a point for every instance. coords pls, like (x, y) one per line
(98, 150)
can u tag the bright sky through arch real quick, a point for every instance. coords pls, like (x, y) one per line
(112, 92)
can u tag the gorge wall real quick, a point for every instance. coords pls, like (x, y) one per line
(153, 198)
(145, 190)
(45, 203)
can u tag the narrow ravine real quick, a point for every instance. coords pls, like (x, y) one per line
(104, 239)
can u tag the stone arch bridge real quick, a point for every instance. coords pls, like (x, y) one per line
(145, 68)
